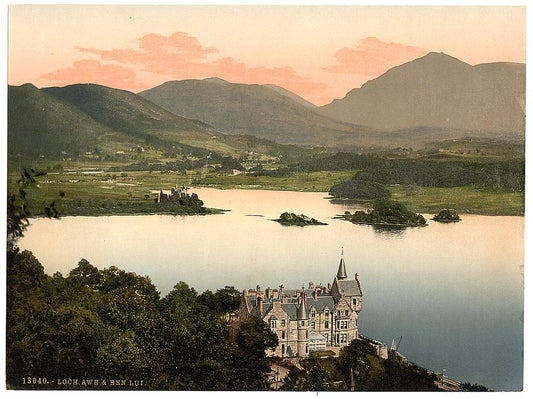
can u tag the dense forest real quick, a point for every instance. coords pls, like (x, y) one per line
(423, 171)
(111, 324)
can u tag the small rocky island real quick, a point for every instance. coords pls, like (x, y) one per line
(446, 216)
(387, 213)
(292, 219)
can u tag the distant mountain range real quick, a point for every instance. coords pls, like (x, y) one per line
(83, 117)
(265, 111)
(436, 97)
(439, 91)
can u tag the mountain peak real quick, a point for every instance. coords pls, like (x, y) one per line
(437, 91)
(434, 57)
(216, 80)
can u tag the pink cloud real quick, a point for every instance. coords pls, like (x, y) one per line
(159, 54)
(372, 57)
(181, 56)
(92, 71)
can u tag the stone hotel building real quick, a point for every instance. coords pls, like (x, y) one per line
(308, 319)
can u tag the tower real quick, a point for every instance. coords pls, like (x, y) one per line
(303, 328)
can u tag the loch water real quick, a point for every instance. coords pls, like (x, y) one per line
(452, 292)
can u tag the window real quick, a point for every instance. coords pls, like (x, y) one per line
(346, 312)
(326, 336)
(283, 323)
(313, 325)
(283, 335)
(354, 301)
(344, 324)
(306, 334)
(326, 313)
(343, 338)
(303, 323)
(326, 324)
(306, 348)
(282, 349)
(313, 313)
(337, 336)
(273, 323)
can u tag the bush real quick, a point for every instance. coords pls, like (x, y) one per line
(387, 213)
(446, 215)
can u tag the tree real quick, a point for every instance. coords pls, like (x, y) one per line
(86, 274)
(18, 210)
(254, 336)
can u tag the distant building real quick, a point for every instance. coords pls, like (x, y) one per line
(174, 195)
(309, 319)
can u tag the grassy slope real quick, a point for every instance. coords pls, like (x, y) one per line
(462, 199)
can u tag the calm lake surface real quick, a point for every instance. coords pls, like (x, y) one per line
(453, 292)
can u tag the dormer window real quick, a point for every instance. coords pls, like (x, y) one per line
(273, 323)
(354, 301)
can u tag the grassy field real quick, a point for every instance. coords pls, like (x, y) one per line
(128, 190)
(462, 199)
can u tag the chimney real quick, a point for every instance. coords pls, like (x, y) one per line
(311, 285)
(244, 293)
(268, 292)
(275, 293)
(315, 294)
(281, 290)
(277, 305)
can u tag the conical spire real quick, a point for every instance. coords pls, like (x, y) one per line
(302, 311)
(341, 273)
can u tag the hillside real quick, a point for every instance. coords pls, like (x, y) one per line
(439, 91)
(291, 95)
(256, 110)
(92, 118)
(39, 124)
(127, 112)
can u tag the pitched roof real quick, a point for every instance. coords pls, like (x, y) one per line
(321, 302)
(290, 309)
(349, 287)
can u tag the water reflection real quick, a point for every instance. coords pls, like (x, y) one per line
(347, 202)
(390, 231)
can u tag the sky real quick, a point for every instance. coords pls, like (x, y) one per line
(318, 52)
